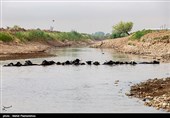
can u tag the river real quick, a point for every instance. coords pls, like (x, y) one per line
(77, 89)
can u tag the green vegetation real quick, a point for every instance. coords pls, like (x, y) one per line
(137, 35)
(6, 37)
(38, 35)
(117, 35)
(33, 35)
(123, 27)
(130, 43)
(166, 37)
(23, 36)
(11, 34)
(72, 36)
(100, 36)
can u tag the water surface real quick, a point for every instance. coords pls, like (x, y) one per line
(77, 89)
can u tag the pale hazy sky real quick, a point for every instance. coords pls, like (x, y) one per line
(87, 17)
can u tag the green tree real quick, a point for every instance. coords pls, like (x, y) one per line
(123, 27)
(98, 35)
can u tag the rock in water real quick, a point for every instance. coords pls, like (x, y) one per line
(68, 62)
(96, 63)
(10, 64)
(76, 61)
(45, 63)
(156, 62)
(27, 63)
(89, 62)
(18, 64)
(109, 62)
(133, 63)
(58, 63)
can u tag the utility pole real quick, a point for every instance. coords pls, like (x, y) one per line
(52, 27)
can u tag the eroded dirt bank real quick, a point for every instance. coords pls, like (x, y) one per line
(155, 92)
(155, 45)
(19, 50)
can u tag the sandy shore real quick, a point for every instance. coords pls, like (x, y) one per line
(149, 46)
(18, 50)
(154, 92)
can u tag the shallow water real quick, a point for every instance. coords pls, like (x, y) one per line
(85, 89)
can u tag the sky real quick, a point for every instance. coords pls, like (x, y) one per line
(86, 16)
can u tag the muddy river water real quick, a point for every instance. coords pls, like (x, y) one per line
(77, 89)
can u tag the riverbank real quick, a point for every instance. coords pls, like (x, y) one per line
(154, 92)
(155, 45)
(35, 49)
(20, 43)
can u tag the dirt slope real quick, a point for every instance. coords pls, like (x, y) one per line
(156, 45)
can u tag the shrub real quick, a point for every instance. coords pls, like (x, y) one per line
(118, 35)
(139, 34)
(132, 44)
(73, 35)
(166, 37)
(86, 36)
(38, 35)
(98, 35)
(6, 37)
(23, 36)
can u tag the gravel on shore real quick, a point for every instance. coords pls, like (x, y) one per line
(154, 92)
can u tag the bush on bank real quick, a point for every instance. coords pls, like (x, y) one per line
(137, 35)
(40, 35)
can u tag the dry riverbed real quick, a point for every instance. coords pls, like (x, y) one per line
(154, 92)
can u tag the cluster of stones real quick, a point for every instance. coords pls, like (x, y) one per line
(154, 92)
(78, 62)
(162, 101)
